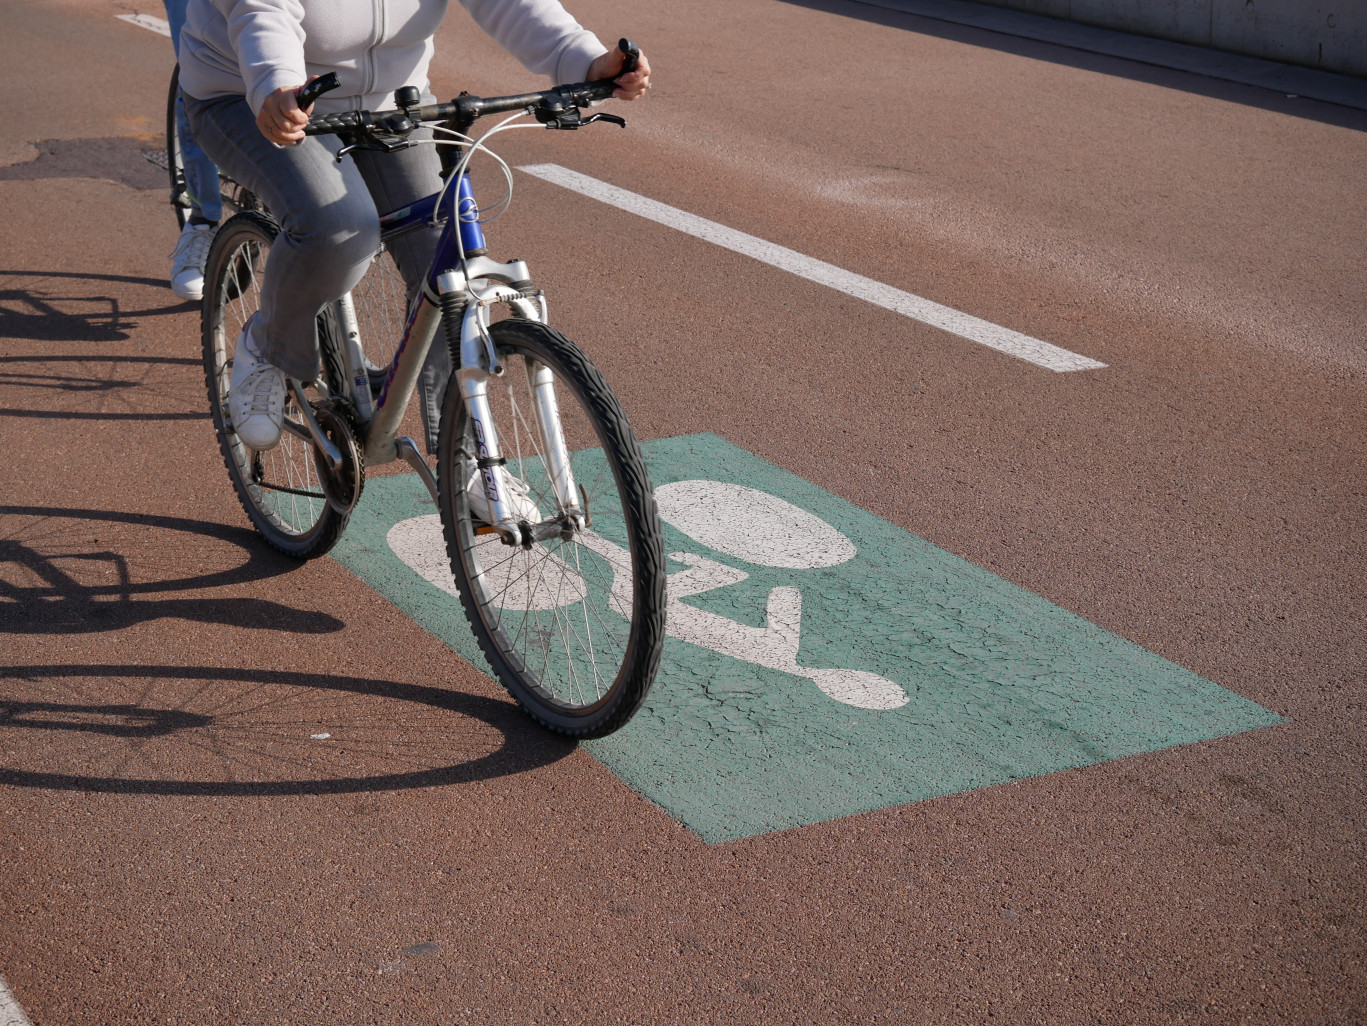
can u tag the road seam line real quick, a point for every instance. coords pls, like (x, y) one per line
(975, 329)
(158, 25)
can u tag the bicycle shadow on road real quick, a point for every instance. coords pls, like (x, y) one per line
(58, 577)
(203, 731)
(31, 312)
(90, 385)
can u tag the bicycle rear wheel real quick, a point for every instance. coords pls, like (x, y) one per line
(281, 488)
(380, 300)
(573, 626)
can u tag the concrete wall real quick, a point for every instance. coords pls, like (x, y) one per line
(1326, 34)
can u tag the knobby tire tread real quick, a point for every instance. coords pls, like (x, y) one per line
(644, 651)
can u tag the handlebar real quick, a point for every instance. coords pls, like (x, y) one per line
(554, 108)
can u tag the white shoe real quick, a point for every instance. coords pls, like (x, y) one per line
(188, 258)
(256, 398)
(516, 495)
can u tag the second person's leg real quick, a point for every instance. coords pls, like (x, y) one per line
(201, 186)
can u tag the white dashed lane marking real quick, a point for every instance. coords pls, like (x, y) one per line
(975, 329)
(956, 322)
(158, 25)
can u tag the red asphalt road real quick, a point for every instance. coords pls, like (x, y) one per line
(1202, 496)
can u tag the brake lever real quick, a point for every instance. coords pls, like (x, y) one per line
(389, 135)
(566, 116)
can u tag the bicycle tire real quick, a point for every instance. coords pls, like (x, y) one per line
(280, 489)
(175, 167)
(551, 617)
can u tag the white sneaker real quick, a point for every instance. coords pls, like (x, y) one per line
(256, 399)
(516, 495)
(188, 258)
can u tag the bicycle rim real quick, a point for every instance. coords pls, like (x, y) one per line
(573, 627)
(279, 488)
(380, 299)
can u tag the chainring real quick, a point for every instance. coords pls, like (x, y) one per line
(344, 486)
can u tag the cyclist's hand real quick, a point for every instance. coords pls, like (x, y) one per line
(281, 121)
(629, 87)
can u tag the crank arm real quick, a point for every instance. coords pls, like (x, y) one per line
(311, 429)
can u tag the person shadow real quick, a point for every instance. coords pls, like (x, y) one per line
(48, 586)
(62, 306)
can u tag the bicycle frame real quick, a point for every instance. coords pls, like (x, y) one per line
(468, 287)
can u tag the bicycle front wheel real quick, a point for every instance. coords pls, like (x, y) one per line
(280, 488)
(574, 625)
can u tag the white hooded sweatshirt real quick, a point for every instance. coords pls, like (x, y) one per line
(253, 47)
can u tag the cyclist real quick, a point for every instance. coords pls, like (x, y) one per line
(243, 63)
(201, 187)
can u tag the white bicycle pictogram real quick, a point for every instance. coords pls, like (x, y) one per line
(744, 524)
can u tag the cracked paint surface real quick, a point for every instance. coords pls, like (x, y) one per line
(823, 662)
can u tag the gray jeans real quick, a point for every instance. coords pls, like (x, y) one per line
(329, 230)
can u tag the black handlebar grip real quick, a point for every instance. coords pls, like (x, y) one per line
(632, 57)
(316, 88)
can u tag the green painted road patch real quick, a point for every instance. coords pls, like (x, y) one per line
(823, 662)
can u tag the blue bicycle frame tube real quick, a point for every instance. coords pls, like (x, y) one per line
(414, 216)
(471, 234)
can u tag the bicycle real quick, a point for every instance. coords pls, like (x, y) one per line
(547, 511)
(236, 197)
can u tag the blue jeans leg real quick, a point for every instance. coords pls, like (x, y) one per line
(329, 228)
(201, 175)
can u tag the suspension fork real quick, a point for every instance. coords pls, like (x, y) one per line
(478, 363)
(547, 409)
